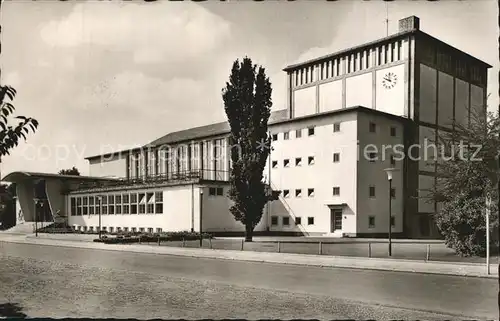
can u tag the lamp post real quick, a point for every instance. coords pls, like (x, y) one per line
(35, 201)
(201, 216)
(390, 172)
(99, 201)
(488, 210)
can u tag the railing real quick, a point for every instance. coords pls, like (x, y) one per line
(206, 174)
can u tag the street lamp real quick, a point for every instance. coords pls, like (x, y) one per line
(36, 201)
(390, 172)
(201, 217)
(99, 201)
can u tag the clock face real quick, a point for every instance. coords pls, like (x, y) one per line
(389, 80)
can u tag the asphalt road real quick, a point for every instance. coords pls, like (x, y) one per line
(68, 282)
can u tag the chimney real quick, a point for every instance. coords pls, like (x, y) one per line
(409, 23)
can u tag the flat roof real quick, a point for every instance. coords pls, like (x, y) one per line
(417, 32)
(17, 176)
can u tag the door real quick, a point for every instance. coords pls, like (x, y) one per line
(336, 220)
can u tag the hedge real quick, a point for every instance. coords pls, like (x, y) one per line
(126, 238)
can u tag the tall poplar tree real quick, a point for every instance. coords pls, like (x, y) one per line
(247, 102)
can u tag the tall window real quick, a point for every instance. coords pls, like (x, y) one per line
(133, 203)
(118, 202)
(159, 202)
(91, 205)
(126, 203)
(151, 203)
(111, 204)
(73, 206)
(142, 203)
(104, 204)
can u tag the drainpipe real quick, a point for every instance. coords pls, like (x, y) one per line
(192, 207)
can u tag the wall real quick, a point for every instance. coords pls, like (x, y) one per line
(427, 96)
(373, 174)
(304, 101)
(56, 200)
(177, 212)
(321, 145)
(330, 96)
(25, 194)
(113, 167)
(359, 90)
(390, 96)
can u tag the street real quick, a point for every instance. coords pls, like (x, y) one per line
(68, 282)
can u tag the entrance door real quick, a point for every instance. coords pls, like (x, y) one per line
(335, 220)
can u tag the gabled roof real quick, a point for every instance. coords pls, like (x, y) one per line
(207, 131)
(18, 176)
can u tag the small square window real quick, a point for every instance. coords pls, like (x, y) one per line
(336, 157)
(134, 229)
(393, 131)
(298, 193)
(298, 220)
(372, 191)
(393, 221)
(371, 221)
(275, 136)
(159, 230)
(310, 131)
(212, 191)
(141, 229)
(310, 160)
(372, 157)
(286, 163)
(310, 220)
(373, 127)
(310, 192)
(286, 221)
(150, 230)
(220, 191)
(393, 192)
(125, 229)
(336, 191)
(286, 193)
(274, 164)
(286, 135)
(298, 161)
(298, 133)
(274, 220)
(336, 127)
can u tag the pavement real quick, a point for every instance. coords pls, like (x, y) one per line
(428, 267)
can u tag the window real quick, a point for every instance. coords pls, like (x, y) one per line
(372, 191)
(310, 131)
(298, 192)
(298, 220)
(310, 220)
(336, 127)
(142, 203)
(298, 133)
(150, 203)
(393, 160)
(393, 131)
(111, 229)
(393, 221)
(159, 202)
(125, 229)
(141, 229)
(310, 192)
(286, 135)
(274, 220)
(286, 193)
(393, 192)
(336, 157)
(286, 221)
(133, 203)
(275, 136)
(150, 230)
(79, 206)
(220, 191)
(159, 230)
(212, 191)
(310, 160)
(73, 206)
(372, 157)
(134, 229)
(336, 191)
(274, 164)
(371, 221)
(286, 163)
(298, 161)
(373, 127)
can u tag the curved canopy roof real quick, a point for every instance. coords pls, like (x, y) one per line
(20, 176)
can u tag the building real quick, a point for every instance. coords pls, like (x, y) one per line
(396, 91)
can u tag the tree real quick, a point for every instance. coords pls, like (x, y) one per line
(466, 177)
(71, 171)
(247, 102)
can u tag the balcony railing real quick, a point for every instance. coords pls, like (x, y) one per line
(214, 175)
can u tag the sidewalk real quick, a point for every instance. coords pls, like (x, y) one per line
(458, 269)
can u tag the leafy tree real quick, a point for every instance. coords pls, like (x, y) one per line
(466, 178)
(71, 171)
(247, 102)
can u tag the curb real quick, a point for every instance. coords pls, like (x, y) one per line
(282, 258)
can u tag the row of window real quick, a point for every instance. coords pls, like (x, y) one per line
(128, 203)
(310, 192)
(285, 221)
(112, 229)
(372, 157)
(215, 191)
(371, 191)
(336, 128)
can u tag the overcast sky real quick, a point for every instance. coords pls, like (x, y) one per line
(109, 75)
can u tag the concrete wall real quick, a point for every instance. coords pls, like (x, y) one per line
(56, 200)
(391, 98)
(25, 195)
(359, 90)
(113, 167)
(373, 174)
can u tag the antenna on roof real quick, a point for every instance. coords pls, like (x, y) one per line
(387, 18)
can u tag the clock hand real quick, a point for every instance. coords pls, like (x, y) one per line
(387, 78)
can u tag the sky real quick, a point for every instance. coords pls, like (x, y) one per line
(104, 76)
